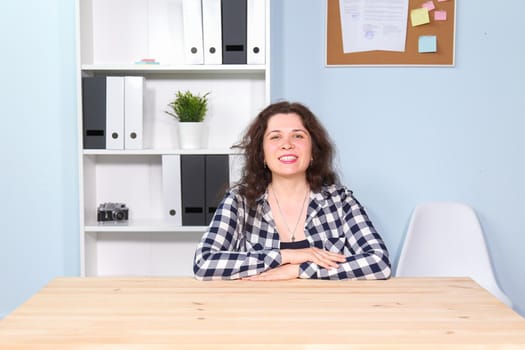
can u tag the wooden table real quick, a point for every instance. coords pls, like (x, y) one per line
(168, 313)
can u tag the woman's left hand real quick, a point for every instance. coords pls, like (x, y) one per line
(282, 272)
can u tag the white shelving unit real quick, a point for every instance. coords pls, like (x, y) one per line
(113, 35)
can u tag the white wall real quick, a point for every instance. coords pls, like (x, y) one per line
(38, 144)
(406, 135)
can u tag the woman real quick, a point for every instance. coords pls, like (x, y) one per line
(289, 217)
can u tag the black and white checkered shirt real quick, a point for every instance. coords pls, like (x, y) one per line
(241, 242)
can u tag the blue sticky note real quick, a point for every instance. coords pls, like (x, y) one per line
(427, 43)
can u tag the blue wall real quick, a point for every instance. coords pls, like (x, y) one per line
(406, 135)
(38, 181)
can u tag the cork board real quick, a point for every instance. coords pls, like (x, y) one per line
(443, 30)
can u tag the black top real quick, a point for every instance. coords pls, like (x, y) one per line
(295, 245)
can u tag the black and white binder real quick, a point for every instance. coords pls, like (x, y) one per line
(256, 31)
(217, 182)
(115, 112)
(211, 31)
(233, 31)
(171, 188)
(192, 168)
(94, 112)
(133, 112)
(192, 22)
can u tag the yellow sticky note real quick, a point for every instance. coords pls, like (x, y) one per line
(419, 16)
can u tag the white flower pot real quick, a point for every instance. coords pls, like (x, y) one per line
(191, 135)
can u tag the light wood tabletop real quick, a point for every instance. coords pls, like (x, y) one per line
(181, 313)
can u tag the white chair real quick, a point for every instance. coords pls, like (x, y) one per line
(446, 239)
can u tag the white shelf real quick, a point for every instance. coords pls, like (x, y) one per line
(113, 35)
(174, 69)
(141, 226)
(142, 152)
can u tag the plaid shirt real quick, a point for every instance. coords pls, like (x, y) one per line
(242, 242)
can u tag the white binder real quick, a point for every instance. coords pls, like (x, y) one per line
(192, 21)
(114, 112)
(160, 27)
(133, 112)
(171, 189)
(256, 31)
(237, 163)
(211, 30)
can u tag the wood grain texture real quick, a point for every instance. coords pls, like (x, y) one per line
(166, 313)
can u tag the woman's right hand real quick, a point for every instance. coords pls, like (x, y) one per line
(323, 258)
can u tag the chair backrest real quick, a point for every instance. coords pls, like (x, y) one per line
(446, 239)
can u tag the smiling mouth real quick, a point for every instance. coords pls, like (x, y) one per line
(288, 158)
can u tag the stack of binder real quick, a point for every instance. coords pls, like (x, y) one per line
(224, 31)
(193, 186)
(112, 112)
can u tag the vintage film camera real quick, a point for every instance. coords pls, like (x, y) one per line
(112, 212)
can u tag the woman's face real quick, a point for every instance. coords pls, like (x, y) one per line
(287, 145)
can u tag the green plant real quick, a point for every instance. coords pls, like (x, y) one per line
(188, 107)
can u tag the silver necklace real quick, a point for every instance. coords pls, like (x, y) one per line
(292, 233)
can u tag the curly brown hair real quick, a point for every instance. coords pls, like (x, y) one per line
(256, 177)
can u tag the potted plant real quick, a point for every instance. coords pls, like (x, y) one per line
(190, 110)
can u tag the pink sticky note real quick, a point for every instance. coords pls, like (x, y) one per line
(442, 0)
(440, 15)
(429, 5)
